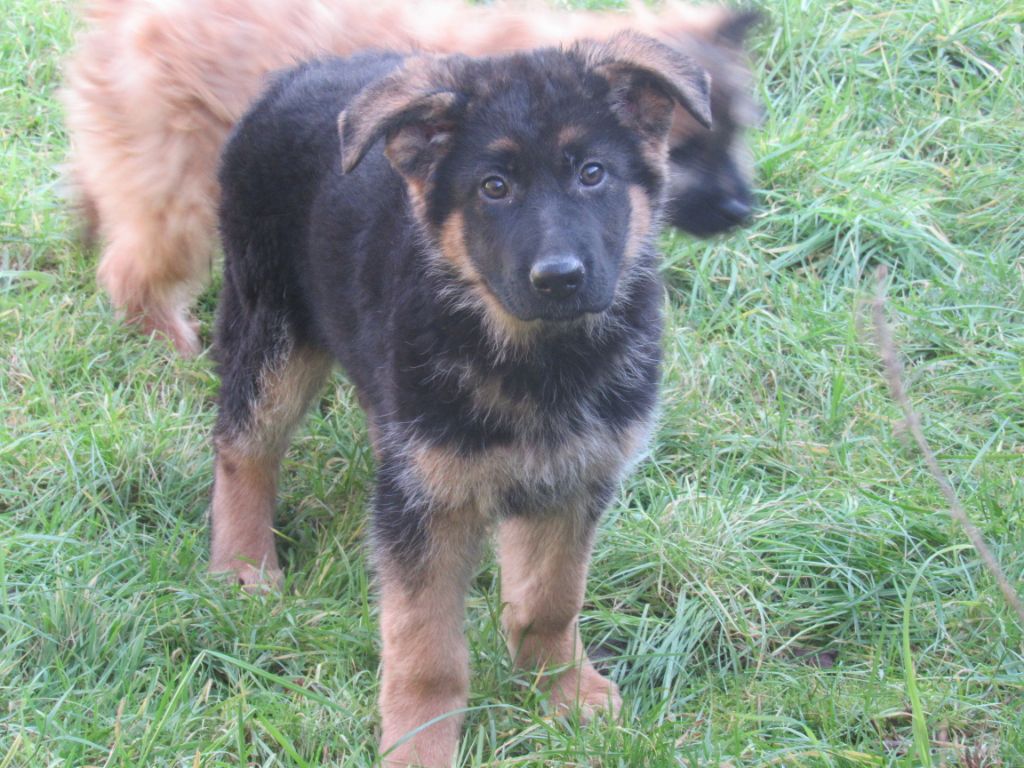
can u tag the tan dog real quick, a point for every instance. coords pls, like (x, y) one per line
(155, 86)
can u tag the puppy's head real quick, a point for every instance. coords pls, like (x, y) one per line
(538, 176)
(711, 169)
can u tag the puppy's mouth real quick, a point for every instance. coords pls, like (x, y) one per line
(560, 313)
(525, 303)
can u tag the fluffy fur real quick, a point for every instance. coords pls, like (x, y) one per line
(473, 241)
(154, 87)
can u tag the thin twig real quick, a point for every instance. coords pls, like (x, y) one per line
(893, 368)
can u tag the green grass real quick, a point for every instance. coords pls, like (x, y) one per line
(778, 583)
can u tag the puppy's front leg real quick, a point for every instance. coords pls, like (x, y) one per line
(544, 561)
(425, 560)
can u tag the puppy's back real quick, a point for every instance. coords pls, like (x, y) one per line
(276, 162)
(282, 148)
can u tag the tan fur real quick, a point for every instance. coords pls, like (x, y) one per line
(569, 134)
(245, 479)
(543, 574)
(242, 519)
(506, 330)
(656, 148)
(424, 660)
(490, 401)
(453, 249)
(544, 568)
(154, 87)
(452, 480)
(640, 222)
(504, 144)
(284, 394)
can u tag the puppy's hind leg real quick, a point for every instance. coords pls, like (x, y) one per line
(267, 382)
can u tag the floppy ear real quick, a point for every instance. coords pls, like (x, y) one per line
(647, 78)
(737, 24)
(415, 108)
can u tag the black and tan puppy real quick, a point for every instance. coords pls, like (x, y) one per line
(486, 276)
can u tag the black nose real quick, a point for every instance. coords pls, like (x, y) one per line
(557, 277)
(735, 210)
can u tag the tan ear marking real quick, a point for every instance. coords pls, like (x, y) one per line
(419, 94)
(634, 57)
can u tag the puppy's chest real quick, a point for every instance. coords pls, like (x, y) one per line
(513, 452)
(524, 475)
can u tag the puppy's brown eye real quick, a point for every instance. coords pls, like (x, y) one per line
(592, 174)
(494, 187)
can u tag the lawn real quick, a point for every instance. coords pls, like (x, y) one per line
(778, 584)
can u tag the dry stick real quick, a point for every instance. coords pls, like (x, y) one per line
(894, 375)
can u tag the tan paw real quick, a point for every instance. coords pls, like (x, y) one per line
(586, 691)
(252, 579)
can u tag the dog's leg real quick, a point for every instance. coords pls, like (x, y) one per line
(544, 562)
(425, 560)
(259, 407)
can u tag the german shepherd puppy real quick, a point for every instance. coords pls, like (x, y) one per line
(477, 251)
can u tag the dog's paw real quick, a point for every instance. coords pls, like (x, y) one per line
(433, 748)
(585, 691)
(251, 578)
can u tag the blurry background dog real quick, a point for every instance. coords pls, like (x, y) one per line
(155, 86)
